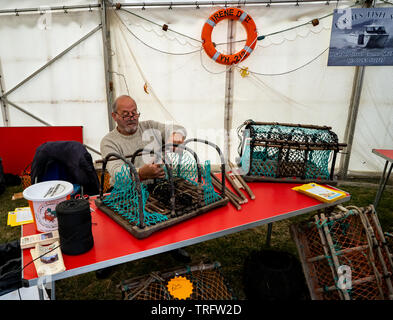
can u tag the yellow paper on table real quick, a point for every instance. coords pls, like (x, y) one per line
(20, 216)
(320, 193)
(11, 218)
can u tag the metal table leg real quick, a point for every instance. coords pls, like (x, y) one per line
(45, 285)
(269, 234)
(382, 184)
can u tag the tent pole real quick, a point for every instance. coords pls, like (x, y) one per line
(26, 112)
(351, 120)
(51, 61)
(229, 77)
(4, 105)
(39, 10)
(106, 50)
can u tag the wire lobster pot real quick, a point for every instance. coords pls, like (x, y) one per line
(206, 280)
(281, 152)
(185, 192)
(345, 255)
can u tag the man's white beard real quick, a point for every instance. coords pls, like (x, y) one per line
(131, 129)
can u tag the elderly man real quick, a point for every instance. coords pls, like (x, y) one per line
(132, 134)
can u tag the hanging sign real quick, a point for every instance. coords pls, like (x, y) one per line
(234, 14)
(361, 37)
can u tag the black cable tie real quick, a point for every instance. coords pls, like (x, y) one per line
(387, 275)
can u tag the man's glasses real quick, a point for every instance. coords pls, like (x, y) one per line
(129, 116)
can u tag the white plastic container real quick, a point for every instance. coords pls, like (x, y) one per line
(43, 198)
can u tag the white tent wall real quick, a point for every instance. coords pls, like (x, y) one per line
(178, 89)
(374, 125)
(70, 91)
(193, 89)
(174, 81)
(273, 92)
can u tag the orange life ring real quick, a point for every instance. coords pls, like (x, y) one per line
(234, 14)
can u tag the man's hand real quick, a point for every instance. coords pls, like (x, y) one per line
(176, 138)
(151, 171)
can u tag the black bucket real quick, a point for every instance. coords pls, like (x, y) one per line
(273, 275)
(74, 219)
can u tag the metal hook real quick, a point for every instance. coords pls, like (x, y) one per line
(65, 10)
(143, 8)
(170, 6)
(16, 12)
(197, 5)
(90, 8)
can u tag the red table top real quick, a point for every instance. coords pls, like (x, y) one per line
(114, 245)
(384, 153)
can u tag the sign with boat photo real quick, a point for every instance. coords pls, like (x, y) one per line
(361, 37)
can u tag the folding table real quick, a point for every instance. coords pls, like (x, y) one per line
(114, 245)
(388, 156)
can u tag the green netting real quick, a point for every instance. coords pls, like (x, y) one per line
(124, 200)
(282, 160)
(209, 194)
(184, 166)
(124, 197)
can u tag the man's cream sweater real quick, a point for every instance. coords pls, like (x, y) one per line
(150, 134)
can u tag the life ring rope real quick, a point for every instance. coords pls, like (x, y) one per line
(234, 14)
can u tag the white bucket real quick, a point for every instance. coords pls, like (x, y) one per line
(43, 198)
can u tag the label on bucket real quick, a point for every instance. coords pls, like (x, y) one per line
(45, 215)
(43, 198)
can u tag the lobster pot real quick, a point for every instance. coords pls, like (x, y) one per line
(284, 152)
(205, 283)
(143, 208)
(345, 255)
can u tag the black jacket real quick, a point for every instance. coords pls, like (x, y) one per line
(74, 159)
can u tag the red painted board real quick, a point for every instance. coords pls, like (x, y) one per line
(273, 201)
(18, 144)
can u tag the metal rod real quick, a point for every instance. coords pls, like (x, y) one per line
(107, 63)
(269, 234)
(26, 112)
(4, 108)
(52, 60)
(168, 4)
(384, 180)
(39, 10)
(351, 121)
(197, 4)
(229, 80)
(92, 149)
(42, 121)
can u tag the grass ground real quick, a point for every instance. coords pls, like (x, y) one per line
(231, 251)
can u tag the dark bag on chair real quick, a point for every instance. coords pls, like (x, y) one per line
(65, 160)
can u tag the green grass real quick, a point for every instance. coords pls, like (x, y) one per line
(231, 251)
